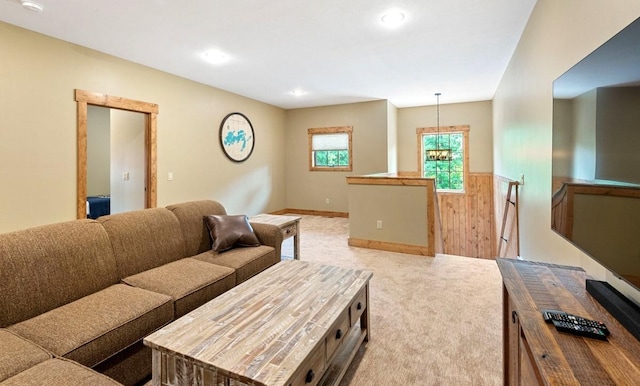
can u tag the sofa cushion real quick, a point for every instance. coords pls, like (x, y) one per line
(97, 326)
(18, 354)
(190, 282)
(190, 215)
(46, 267)
(230, 231)
(59, 372)
(246, 261)
(144, 239)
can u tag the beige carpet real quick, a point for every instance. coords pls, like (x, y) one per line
(434, 321)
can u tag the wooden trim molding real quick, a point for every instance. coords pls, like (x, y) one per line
(321, 213)
(390, 179)
(83, 99)
(98, 99)
(391, 247)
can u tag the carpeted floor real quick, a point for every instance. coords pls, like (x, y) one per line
(434, 321)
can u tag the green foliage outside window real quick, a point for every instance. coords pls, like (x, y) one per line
(449, 175)
(331, 158)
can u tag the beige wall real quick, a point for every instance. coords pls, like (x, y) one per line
(127, 156)
(558, 35)
(402, 210)
(475, 114)
(38, 132)
(98, 151)
(392, 138)
(309, 190)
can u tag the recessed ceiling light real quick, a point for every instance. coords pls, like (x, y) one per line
(215, 57)
(392, 19)
(298, 92)
(32, 6)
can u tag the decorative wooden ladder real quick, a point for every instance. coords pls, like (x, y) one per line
(504, 246)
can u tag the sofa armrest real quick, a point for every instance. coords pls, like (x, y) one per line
(269, 235)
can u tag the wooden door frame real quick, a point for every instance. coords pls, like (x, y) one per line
(150, 110)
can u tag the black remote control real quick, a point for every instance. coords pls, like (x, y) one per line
(578, 329)
(576, 324)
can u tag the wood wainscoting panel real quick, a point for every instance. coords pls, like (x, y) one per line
(468, 223)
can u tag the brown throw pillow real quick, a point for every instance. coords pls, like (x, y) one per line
(230, 231)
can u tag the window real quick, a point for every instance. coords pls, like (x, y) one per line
(330, 149)
(450, 175)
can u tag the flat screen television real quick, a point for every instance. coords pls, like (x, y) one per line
(596, 155)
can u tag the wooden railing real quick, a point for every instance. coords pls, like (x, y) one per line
(506, 217)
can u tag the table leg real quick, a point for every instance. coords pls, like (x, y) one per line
(296, 242)
(364, 319)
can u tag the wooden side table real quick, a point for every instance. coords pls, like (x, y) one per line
(289, 226)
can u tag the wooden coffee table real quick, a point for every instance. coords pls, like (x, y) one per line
(296, 323)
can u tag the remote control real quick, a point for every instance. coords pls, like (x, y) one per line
(578, 329)
(554, 315)
(575, 324)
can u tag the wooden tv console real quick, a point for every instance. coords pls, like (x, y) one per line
(535, 353)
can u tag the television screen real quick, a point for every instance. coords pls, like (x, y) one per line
(596, 155)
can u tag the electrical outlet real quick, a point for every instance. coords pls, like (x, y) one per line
(170, 176)
(379, 224)
(327, 201)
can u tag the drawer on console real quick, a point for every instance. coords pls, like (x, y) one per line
(311, 370)
(288, 231)
(358, 306)
(337, 333)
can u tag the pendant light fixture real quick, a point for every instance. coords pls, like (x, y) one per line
(438, 154)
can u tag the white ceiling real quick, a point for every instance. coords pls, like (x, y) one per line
(335, 50)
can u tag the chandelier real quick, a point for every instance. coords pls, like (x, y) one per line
(438, 154)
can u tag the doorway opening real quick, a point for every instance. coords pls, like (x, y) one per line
(150, 111)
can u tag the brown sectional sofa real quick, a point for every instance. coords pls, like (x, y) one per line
(80, 296)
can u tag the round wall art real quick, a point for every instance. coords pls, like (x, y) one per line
(237, 137)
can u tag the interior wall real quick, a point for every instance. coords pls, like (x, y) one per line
(310, 190)
(392, 138)
(557, 36)
(98, 151)
(401, 210)
(478, 115)
(127, 163)
(38, 126)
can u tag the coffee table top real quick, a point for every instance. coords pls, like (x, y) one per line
(263, 329)
(274, 219)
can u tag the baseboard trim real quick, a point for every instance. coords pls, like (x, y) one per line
(389, 247)
(321, 213)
